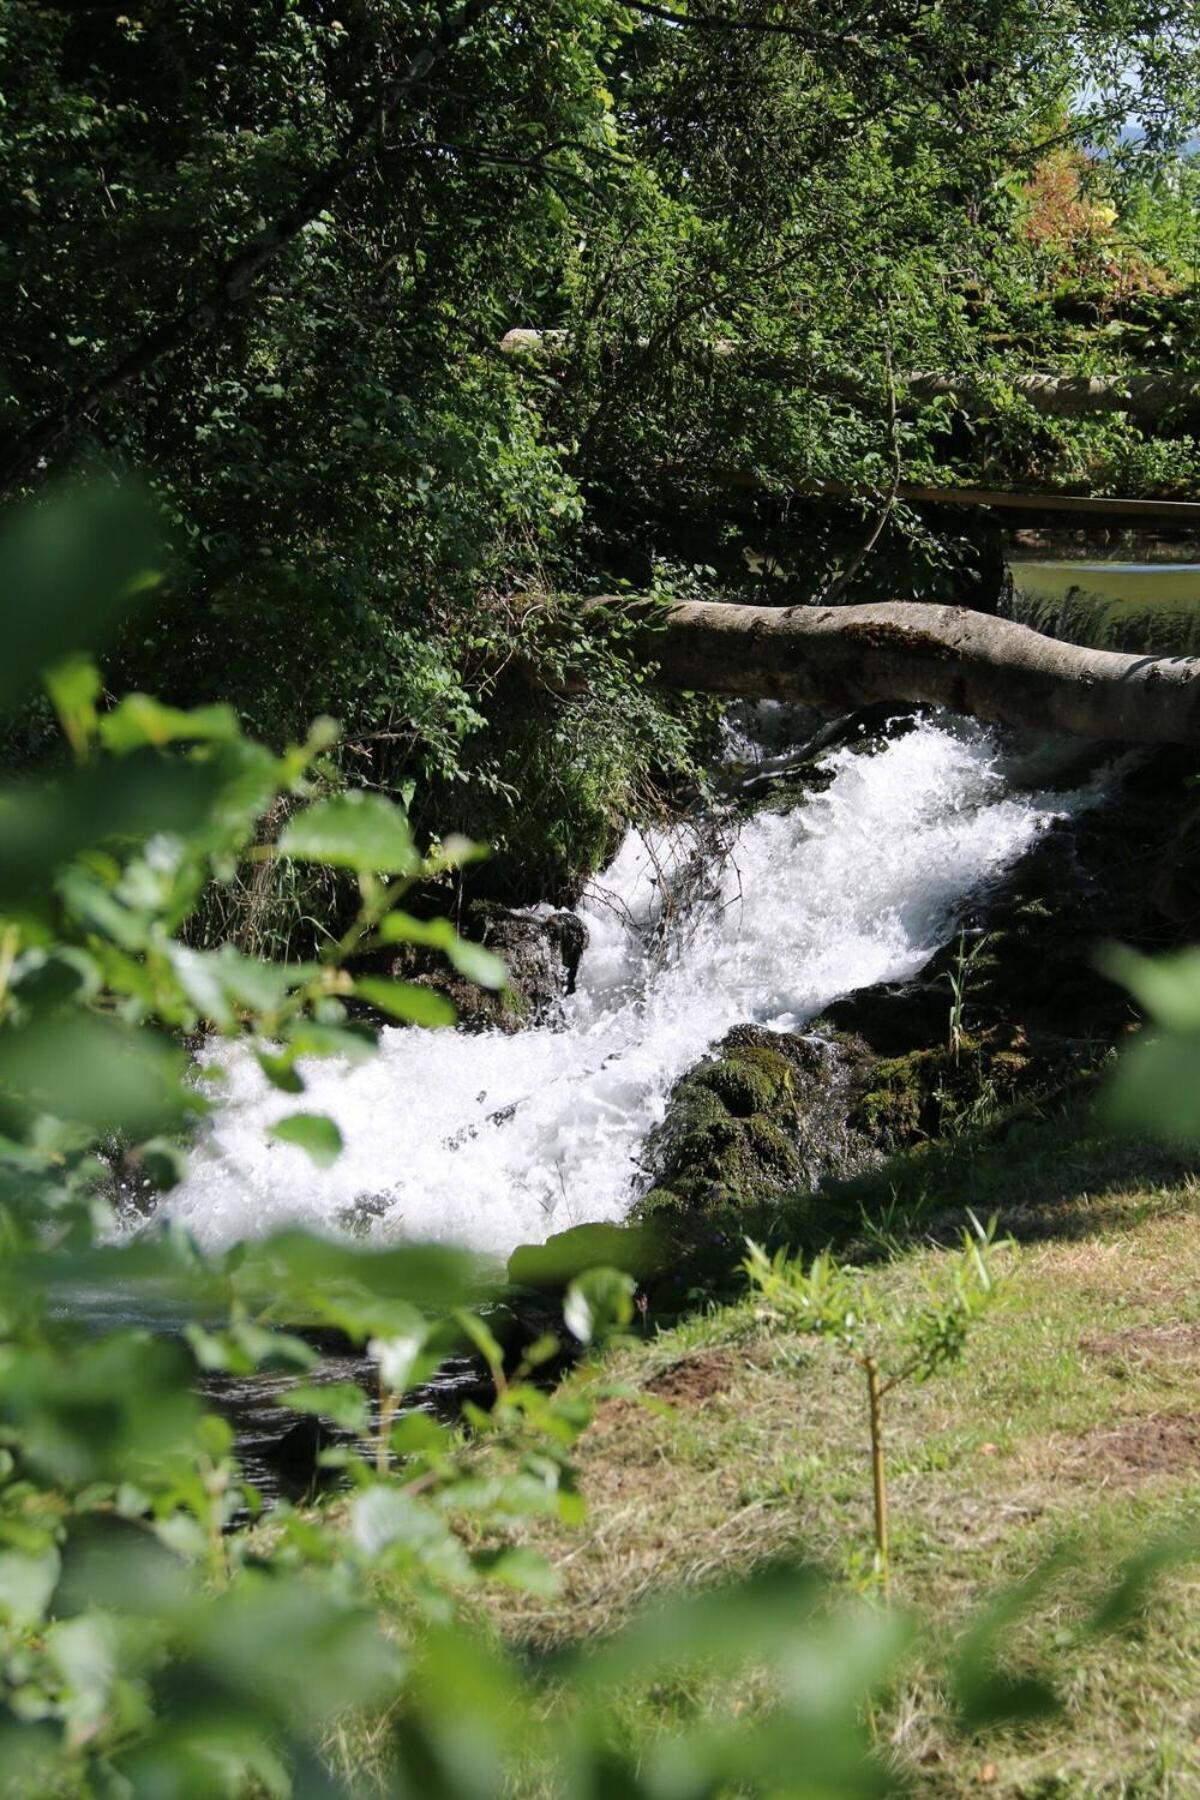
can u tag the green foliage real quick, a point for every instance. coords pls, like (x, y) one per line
(1158, 1078)
(910, 1343)
(357, 489)
(145, 1639)
(599, 1304)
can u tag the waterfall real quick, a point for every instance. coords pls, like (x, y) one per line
(492, 1140)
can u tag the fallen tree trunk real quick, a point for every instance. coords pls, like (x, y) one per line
(839, 658)
(1145, 397)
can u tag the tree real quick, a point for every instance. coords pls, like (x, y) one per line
(269, 252)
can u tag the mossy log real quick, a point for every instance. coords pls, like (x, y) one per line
(843, 657)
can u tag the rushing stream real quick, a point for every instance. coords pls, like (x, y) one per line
(491, 1140)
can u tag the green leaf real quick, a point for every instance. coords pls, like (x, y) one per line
(70, 570)
(598, 1304)
(523, 1568)
(85, 1651)
(47, 979)
(406, 1000)
(387, 1519)
(280, 1071)
(164, 1162)
(418, 1434)
(74, 687)
(27, 1580)
(1157, 1088)
(274, 1349)
(481, 966)
(354, 830)
(472, 960)
(343, 1403)
(337, 1657)
(482, 1338)
(314, 1133)
(356, 1041)
(99, 1071)
(1167, 987)
(399, 1356)
(140, 720)
(44, 825)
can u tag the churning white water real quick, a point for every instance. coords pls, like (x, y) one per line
(492, 1140)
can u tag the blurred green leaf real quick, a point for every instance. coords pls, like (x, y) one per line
(298, 1649)
(472, 960)
(1157, 1088)
(385, 1519)
(356, 1041)
(523, 1568)
(295, 1266)
(354, 830)
(418, 1434)
(71, 569)
(1166, 987)
(27, 1580)
(598, 1304)
(109, 1409)
(342, 1402)
(139, 721)
(74, 687)
(406, 1000)
(314, 1133)
(398, 1356)
(280, 1071)
(100, 1071)
(44, 825)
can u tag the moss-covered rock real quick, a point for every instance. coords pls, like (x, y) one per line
(764, 1114)
(926, 1093)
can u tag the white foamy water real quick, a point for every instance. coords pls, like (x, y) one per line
(491, 1140)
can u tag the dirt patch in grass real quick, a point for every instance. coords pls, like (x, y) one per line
(1141, 1448)
(1145, 1343)
(694, 1379)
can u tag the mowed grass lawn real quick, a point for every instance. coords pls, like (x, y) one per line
(1070, 1425)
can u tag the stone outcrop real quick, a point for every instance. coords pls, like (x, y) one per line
(540, 950)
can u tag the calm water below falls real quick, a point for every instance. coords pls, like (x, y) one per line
(491, 1140)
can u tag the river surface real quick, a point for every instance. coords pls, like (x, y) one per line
(491, 1140)
(1143, 608)
(1133, 582)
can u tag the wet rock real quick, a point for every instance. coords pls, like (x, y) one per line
(783, 782)
(540, 952)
